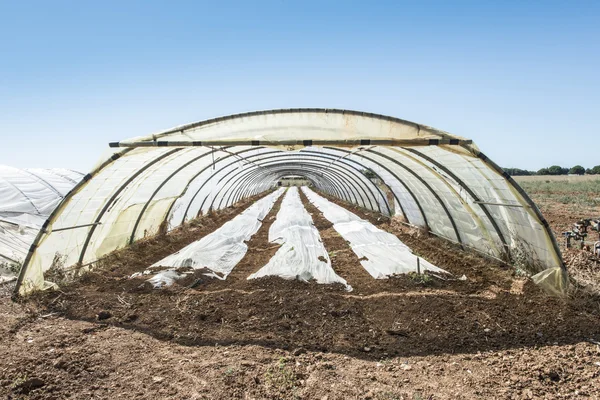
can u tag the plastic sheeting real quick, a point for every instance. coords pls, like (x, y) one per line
(552, 280)
(27, 197)
(381, 253)
(221, 250)
(302, 254)
(430, 178)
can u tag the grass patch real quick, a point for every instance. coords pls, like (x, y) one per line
(281, 376)
(583, 192)
(420, 279)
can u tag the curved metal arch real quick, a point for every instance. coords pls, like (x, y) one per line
(225, 185)
(116, 195)
(343, 177)
(275, 175)
(242, 190)
(285, 171)
(320, 185)
(44, 182)
(223, 177)
(392, 173)
(200, 173)
(344, 192)
(453, 194)
(211, 176)
(328, 173)
(361, 186)
(22, 193)
(433, 192)
(341, 162)
(496, 168)
(360, 183)
(84, 180)
(141, 214)
(250, 184)
(419, 127)
(383, 180)
(245, 158)
(68, 178)
(471, 193)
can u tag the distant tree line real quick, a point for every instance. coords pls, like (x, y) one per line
(555, 170)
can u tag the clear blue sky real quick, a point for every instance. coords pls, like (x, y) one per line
(521, 78)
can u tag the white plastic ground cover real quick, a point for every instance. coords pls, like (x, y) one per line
(27, 197)
(381, 253)
(302, 254)
(221, 250)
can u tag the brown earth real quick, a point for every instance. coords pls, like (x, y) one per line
(495, 335)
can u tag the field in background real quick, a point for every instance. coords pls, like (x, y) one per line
(557, 178)
(577, 191)
(564, 200)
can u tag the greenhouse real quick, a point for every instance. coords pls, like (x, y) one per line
(419, 175)
(27, 198)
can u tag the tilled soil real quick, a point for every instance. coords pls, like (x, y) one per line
(494, 335)
(583, 266)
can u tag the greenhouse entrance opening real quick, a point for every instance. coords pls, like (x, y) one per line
(293, 180)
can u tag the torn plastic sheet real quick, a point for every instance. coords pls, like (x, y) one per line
(552, 280)
(302, 254)
(166, 278)
(221, 250)
(381, 253)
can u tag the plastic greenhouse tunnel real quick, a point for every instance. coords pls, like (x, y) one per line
(421, 176)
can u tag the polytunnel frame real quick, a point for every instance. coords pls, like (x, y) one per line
(249, 183)
(280, 170)
(239, 181)
(175, 172)
(187, 186)
(428, 186)
(228, 187)
(360, 184)
(393, 174)
(38, 176)
(53, 214)
(445, 139)
(24, 195)
(274, 174)
(279, 154)
(471, 193)
(42, 181)
(283, 155)
(459, 181)
(163, 156)
(341, 190)
(335, 159)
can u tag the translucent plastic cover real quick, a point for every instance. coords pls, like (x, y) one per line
(427, 177)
